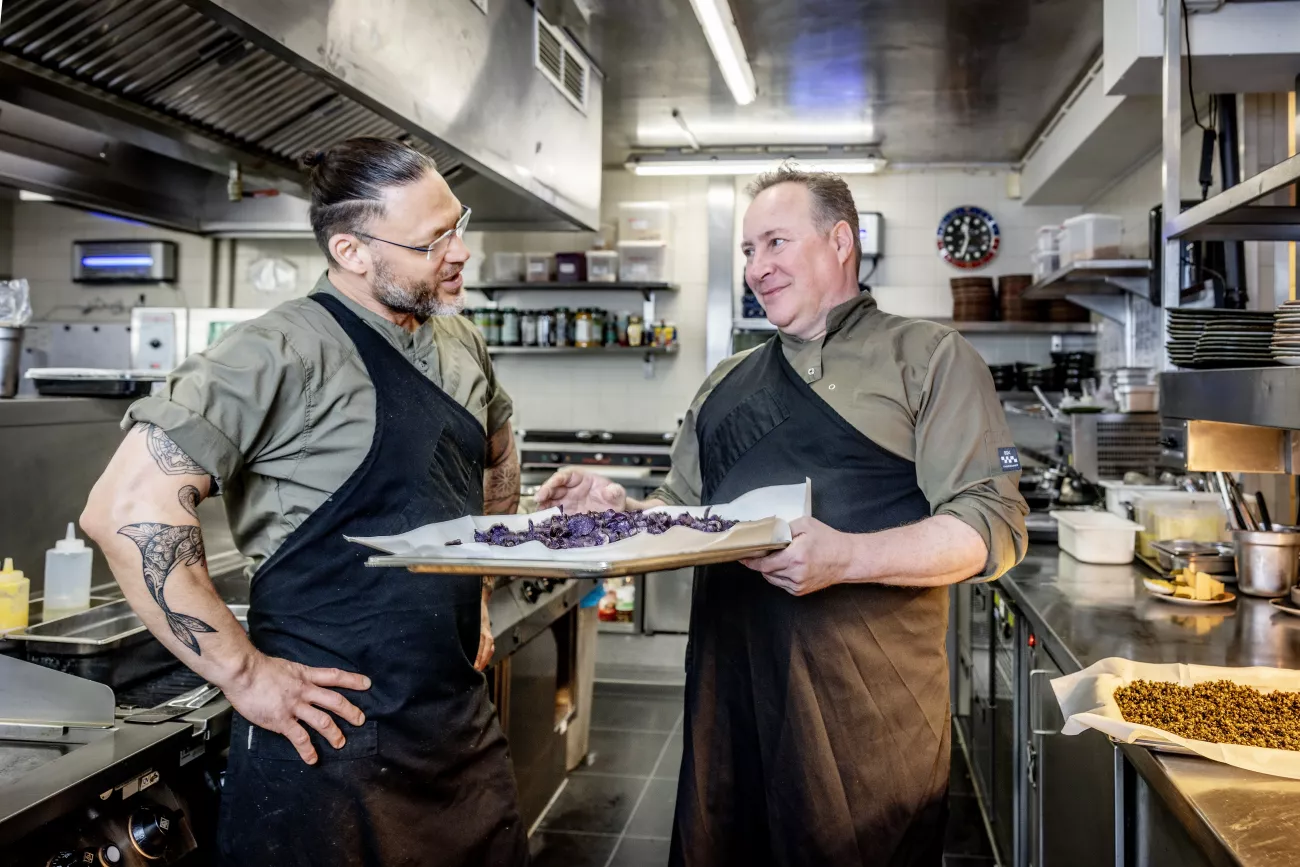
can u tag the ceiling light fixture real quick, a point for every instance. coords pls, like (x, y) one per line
(724, 40)
(749, 164)
(29, 196)
(686, 130)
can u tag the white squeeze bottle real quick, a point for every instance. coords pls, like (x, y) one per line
(67, 576)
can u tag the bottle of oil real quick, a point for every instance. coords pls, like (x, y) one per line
(67, 576)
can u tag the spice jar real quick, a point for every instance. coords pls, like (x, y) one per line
(562, 327)
(493, 334)
(545, 328)
(611, 331)
(635, 330)
(528, 327)
(483, 319)
(620, 324)
(510, 327)
(584, 337)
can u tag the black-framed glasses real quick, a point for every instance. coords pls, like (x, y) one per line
(439, 244)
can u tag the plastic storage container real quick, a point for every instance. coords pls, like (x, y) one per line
(67, 576)
(1194, 517)
(643, 263)
(571, 267)
(1049, 239)
(538, 267)
(602, 266)
(1096, 537)
(1045, 264)
(644, 221)
(1119, 496)
(1091, 236)
(507, 267)
(15, 593)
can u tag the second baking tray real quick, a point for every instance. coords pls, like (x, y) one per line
(590, 569)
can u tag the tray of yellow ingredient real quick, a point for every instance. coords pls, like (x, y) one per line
(1245, 717)
(1189, 587)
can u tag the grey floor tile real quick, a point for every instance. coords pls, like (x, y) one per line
(557, 849)
(633, 713)
(641, 853)
(670, 765)
(594, 804)
(628, 754)
(654, 816)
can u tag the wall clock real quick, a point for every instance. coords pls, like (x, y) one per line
(968, 237)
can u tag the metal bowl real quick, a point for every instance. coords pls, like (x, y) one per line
(1268, 564)
(1213, 558)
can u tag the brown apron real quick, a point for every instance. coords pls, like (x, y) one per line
(817, 726)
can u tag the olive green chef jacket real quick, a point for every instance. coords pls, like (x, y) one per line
(280, 410)
(917, 389)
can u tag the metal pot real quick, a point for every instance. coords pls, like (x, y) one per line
(11, 346)
(1268, 564)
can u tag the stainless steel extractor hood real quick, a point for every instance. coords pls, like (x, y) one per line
(143, 106)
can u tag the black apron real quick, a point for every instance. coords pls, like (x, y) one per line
(427, 778)
(816, 726)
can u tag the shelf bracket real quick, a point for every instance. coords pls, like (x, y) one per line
(648, 370)
(1114, 307)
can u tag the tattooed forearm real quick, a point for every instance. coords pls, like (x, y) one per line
(168, 456)
(162, 546)
(501, 481)
(189, 497)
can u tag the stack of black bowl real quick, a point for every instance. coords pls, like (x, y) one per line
(1072, 368)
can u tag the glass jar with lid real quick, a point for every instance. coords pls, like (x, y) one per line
(510, 327)
(528, 327)
(562, 327)
(584, 336)
(635, 330)
(545, 328)
(493, 328)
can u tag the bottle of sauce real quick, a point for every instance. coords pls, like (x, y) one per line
(15, 592)
(528, 327)
(510, 335)
(67, 576)
(562, 327)
(584, 337)
(635, 330)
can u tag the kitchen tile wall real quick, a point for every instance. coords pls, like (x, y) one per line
(42, 252)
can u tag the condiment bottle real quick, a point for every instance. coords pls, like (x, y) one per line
(67, 576)
(635, 330)
(15, 592)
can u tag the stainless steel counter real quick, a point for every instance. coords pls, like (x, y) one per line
(1085, 613)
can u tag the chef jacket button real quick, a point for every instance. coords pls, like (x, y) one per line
(812, 371)
(424, 365)
(831, 386)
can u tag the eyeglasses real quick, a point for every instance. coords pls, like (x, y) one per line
(439, 244)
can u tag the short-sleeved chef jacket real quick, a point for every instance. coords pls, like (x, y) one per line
(917, 389)
(281, 409)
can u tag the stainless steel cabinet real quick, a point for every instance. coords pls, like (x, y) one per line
(1069, 803)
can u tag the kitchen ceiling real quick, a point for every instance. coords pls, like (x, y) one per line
(967, 81)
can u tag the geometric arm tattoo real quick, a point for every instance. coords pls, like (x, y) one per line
(162, 546)
(168, 456)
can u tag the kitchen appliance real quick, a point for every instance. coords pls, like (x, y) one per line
(162, 337)
(639, 461)
(123, 261)
(1108, 445)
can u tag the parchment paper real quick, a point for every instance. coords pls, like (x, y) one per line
(1087, 700)
(765, 515)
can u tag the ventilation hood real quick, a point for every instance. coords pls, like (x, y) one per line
(161, 109)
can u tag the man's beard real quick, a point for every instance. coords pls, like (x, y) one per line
(418, 298)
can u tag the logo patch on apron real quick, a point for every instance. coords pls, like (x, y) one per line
(1009, 459)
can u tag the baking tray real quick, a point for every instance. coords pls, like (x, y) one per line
(1213, 558)
(575, 569)
(95, 630)
(1158, 746)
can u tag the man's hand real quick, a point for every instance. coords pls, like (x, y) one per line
(279, 696)
(817, 558)
(579, 491)
(486, 644)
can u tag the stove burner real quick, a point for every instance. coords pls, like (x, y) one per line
(159, 690)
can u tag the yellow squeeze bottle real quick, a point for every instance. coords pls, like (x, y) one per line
(15, 588)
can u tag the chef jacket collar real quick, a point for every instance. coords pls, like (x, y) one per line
(396, 334)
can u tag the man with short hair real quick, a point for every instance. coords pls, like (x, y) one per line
(364, 734)
(817, 704)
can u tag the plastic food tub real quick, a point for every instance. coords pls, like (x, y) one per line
(1195, 517)
(1091, 236)
(1096, 537)
(1120, 496)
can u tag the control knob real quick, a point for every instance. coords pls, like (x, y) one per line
(530, 591)
(104, 856)
(151, 829)
(155, 343)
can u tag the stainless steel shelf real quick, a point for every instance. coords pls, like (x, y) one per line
(1229, 216)
(1093, 277)
(1264, 396)
(646, 289)
(595, 351)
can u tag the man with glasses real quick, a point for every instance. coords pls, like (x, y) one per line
(364, 733)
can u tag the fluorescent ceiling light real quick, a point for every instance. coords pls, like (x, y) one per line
(29, 196)
(730, 133)
(724, 40)
(751, 166)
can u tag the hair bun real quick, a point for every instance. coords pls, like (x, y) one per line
(311, 159)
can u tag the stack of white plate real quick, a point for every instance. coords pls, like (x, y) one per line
(1286, 333)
